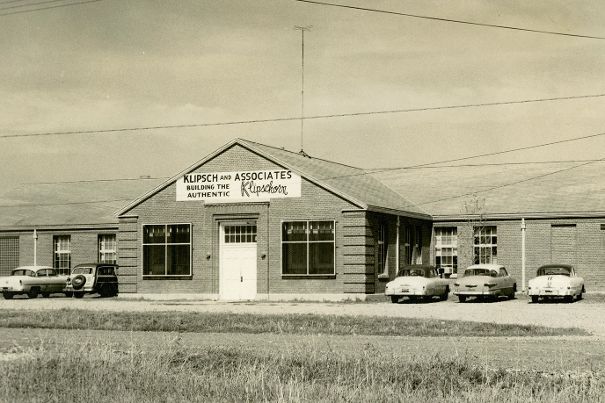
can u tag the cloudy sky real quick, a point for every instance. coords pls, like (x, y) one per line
(134, 63)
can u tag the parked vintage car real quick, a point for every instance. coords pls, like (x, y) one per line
(556, 281)
(416, 282)
(485, 281)
(93, 278)
(33, 280)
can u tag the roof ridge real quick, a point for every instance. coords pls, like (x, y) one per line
(295, 153)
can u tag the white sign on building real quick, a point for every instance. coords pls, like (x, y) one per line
(237, 187)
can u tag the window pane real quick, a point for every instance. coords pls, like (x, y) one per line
(321, 258)
(294, 231)
(178, 260)
(154, 259)
(154, 234)
(178, 233)
(294, 258)
(321, 231)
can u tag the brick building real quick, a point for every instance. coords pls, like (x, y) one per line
(253, 221)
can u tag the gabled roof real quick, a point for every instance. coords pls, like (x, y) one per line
(523, 190)
(352, 184)
(68, 204)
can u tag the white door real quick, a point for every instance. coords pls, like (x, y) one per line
(237, 273)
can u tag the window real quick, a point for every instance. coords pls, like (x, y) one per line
(381, 258)
(485, 245)
(446, 249)
(107, 248)
(167, 250)
(308, 248)
(417, 252)
(62, 253)
(240, 233)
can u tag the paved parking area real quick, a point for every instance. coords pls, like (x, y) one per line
(582, 314)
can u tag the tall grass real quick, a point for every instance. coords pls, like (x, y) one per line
(255, 323)
(96, 372)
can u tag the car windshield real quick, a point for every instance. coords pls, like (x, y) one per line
(480, 272)
(410, 272)
(82, 270)
(554, 271)
(24, 272)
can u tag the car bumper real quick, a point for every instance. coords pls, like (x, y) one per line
(469, 293)
(545, 292)
(406, 293)
(13, 289)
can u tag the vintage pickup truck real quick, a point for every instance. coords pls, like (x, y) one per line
(33, 280)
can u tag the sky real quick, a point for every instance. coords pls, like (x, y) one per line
(120, 64)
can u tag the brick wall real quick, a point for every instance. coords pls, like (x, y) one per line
(315, 204)
(586, 238)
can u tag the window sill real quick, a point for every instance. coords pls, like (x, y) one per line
(187, 277)
(308, 276)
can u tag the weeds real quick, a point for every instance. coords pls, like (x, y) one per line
(278, 324)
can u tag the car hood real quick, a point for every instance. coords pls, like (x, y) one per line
(409, 280)
(476, 280)
(550, 281)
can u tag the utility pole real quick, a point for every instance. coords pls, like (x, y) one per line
(302, 30)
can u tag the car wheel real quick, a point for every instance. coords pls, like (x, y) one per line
(568, 298)
(461, 298)
(45, 294)
(444, 296)
(78, 294)
(534, 299)
(68, 294)
(513, 291)
(394, 299)
(33, 293)
(8, 295)
(78, 282)
(581, 294)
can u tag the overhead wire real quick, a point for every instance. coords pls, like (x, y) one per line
(49, 7)
(451, 20)
(296, 118)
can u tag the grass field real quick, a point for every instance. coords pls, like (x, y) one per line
(98, 372)
(277, 324)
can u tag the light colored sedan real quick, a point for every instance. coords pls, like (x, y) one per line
(417, 282)
(33, 280)
(556, 281)
(485, 281)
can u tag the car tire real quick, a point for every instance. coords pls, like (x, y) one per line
(78, 282)
(78, 294)
(581, 294)
(69, 294)
(394, 299)
(568, 298)
(45, 294)
(462, 298)
(443, 297)
(8, 295)
(33, 293)
(513, 291)
(534, 299)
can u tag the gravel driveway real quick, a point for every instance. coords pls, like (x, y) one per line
(589, 316)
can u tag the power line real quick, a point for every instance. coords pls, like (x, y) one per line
(32, 4)
(297, 118)
(508, 184)
(455, 21)
(510, 150)
(49, 7)
(66, 203)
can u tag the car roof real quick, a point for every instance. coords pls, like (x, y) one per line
(95, 264)
(553, 265)
(32, 268)
(418, 266)
(490, 266)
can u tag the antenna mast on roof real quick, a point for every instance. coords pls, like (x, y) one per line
(302, 30)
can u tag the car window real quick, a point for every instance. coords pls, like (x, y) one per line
(503, 272)
(479, 272)
(106, 270)
(23, 272)
(42, 273)
(554, 271)
(82, 270)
